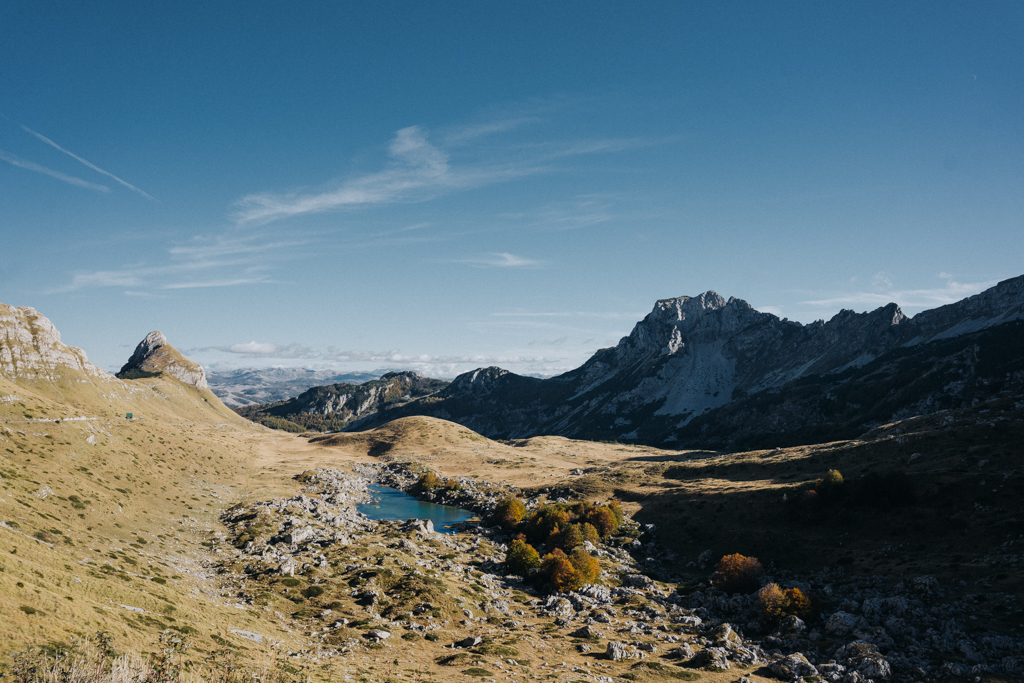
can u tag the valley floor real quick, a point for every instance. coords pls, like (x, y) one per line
(206, 525)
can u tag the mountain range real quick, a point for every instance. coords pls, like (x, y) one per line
(335, 406)
(709, 372)
(254, 386)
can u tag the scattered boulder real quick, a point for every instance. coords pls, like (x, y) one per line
(710, 659)
(588, 632)
(684, 651)
(842, 623)
(791, 625)
(793, 667)
(377, 634)
(865, 659)
(618, 652)
(471, 641)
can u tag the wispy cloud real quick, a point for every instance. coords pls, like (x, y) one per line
(267, 350)
(94, 167)
(611, 315)
(14, 160)
(418, 170)
(501, 260)
(219, 283)
(416, 166)
(883, 294)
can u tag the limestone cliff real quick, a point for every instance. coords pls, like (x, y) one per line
(30, 347)
(154, 356)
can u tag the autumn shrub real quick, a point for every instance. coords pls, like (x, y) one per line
(772, 602)
(832, 480)
(616, 509)
(553, 524)
(737, 574)
(559, 571)
(587, 568)
(799, 603)
(428, 481)
(776, 603)
(521, 557)
(508, 513)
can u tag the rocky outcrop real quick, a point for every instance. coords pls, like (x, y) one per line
(707, 371)
(154, 356)
(334, 406)
(30, 347)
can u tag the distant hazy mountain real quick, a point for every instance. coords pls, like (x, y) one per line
(710, 372)
(249, 386)
(332, 407)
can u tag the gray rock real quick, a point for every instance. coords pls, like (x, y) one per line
(296, 536)
(792, 625)
(793, 667)
(865, 659)
(842, 623)
(710, 658)
(618, 652)
(377, 634)
(471, 641)
(587, 632)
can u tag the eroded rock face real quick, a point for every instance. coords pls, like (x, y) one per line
(155, 355)
(30, 347)
(711, 372)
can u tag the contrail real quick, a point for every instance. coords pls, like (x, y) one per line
(94, 167)
(72, 180)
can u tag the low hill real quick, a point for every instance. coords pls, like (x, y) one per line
(335, 406)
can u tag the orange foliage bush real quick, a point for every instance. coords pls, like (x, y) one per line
(776, 603)
(509, 512)
(521, 557)
(587, 568)
(737, 574)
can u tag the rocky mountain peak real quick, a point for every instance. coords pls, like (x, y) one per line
(30, 346)
(154, 355)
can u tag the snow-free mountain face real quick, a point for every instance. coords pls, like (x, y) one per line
(252, 386)
(694, 358)
(154, 356)
(332, 407)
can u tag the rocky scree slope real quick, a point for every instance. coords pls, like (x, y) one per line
(335, 406)
(706, 371)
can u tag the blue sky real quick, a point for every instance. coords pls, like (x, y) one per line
(446, 185)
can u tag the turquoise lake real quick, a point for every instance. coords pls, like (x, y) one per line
(393, 504)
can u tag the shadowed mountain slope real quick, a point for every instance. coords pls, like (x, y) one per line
(706, 371)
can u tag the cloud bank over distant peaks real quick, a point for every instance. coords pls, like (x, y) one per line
(884, 292)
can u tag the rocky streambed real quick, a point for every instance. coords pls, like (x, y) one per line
(357, 582)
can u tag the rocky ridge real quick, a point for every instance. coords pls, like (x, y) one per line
(332, 407)
(706, 371)
(30, 347)
(255, 386)
(154, 355)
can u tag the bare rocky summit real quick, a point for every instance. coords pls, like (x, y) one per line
(154, 356)
(30, 347)
(713, 372)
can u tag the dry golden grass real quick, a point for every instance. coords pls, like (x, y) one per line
(164, 478)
